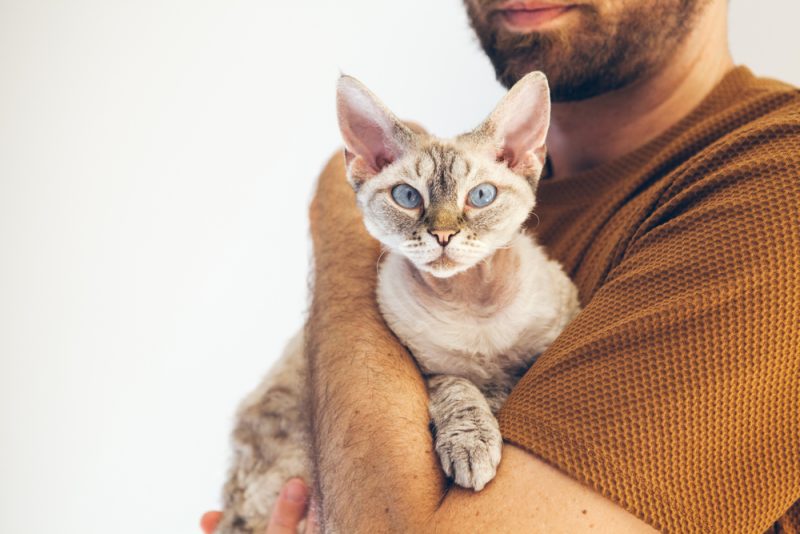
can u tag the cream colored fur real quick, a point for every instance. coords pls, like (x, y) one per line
(499, 342)
(475, 312)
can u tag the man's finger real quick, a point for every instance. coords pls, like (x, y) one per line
(290, 508)
(209, 521)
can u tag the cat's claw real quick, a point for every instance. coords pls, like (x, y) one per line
(470, 458)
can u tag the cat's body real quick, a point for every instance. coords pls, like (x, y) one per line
(474, 334)
(486, 324)
(474, 298)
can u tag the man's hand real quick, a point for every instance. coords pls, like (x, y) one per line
(291, 508)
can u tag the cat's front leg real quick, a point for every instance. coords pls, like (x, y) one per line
(466, 433)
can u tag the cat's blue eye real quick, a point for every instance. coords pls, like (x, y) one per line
(482, 195)
(406, 196)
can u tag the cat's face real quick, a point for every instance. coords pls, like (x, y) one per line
(445, 204)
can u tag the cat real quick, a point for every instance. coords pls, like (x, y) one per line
(472, 296)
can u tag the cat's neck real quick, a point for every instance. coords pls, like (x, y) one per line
(488, 285)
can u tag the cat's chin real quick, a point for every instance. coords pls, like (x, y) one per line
(443, 267)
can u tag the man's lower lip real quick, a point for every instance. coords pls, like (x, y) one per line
(527, 20)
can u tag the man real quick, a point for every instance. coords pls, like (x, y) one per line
(672, 197)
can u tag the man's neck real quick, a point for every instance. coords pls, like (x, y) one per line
(589, 133)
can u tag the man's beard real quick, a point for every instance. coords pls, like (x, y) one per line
(599, 53)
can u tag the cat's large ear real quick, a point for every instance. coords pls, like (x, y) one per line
(517, 128)
(373, 136)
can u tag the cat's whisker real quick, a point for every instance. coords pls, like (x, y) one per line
(378, 263)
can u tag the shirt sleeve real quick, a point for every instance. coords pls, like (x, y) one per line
(676, 391)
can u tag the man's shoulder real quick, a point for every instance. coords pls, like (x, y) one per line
(756, 134)
(746, 123)
(771, 104)
(770, 85)
(740, 162)
(762, 108)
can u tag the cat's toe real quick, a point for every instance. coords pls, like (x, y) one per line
(475, 468)
(471, 459)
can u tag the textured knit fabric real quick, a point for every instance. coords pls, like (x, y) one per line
(676, 391)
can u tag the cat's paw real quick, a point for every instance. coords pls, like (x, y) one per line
(470, 451)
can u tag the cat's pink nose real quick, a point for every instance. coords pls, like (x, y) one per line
(443, 236)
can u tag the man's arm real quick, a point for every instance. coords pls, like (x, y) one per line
(376, 467)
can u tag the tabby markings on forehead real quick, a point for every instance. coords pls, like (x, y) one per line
(404, 174)
(442, 166)
(425, 165)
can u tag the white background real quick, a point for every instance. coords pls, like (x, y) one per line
(156, 161)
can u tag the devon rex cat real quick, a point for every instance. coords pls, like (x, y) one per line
(471, 295)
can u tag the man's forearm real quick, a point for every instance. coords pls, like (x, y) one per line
(373, 452)
(372, 445)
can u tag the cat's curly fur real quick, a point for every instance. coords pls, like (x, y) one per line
(473, 297)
